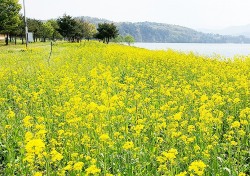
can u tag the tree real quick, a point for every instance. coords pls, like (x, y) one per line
(35, 26)
(46, 31)
(66, 26)
(99, 36)
(118, 39)
(56, 34)
(89, 30)
(78, 31)
(129, 39)
(9, 16)
(70, 28)
(106, 31)
(19, 30)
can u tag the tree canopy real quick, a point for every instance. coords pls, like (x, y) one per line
(89, 30)
(129, 39)
(65, 27)
(9, 16)
(70, 28)
(106, 31)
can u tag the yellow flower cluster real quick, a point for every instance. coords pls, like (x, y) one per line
(197, 167)
(128, 145)
(97, 109)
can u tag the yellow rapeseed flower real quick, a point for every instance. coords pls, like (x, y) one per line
(182, 174)
(92, 170)
(197, 167)
(27, 121)
(104, 137)
(35, 146)
(56, 156)
(235, 124)
(242, 174)
(38, 174)
(11, 114)
(128, 145)
(78, 166)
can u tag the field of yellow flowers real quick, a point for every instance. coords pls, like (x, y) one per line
(96, 109)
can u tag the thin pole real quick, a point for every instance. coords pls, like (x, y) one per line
(26, 25)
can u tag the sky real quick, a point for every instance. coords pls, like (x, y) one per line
(196, 14)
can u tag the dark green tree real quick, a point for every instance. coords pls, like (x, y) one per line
(106, 31)
(68, 27)
(99, 36)
(9, 17)
(20, 31)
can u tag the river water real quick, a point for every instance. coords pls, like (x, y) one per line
(210, 50)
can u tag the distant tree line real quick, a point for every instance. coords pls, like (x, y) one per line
(64, 28)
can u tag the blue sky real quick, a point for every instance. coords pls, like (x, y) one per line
(210, 14)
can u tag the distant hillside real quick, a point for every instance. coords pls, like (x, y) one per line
(94, 20)
(233, 30)
(167, 33)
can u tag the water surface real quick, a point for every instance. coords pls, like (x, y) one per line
(224, 50)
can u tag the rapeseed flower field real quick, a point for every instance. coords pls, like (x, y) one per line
(96, 109)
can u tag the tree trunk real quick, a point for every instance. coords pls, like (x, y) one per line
(22, 39)
(15, 39)
(7, 39)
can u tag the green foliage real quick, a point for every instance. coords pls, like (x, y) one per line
(78, 31)
(66, 26)
(20, 30)
(3, 156)
(70, 28)
(9, 16)
(106, 31)
(35, 26)
(56, 34)
(118, 39)
(89, 30)
(47, 31)
(129, 39)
